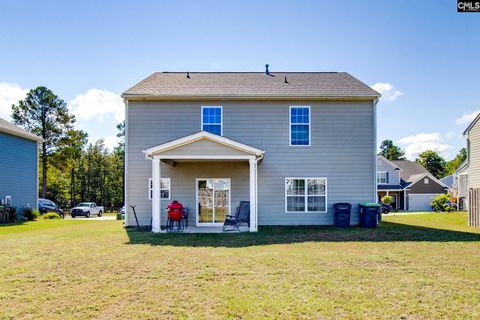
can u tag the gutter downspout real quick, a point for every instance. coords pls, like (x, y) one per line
(256, 189)
(261, 157)
(125, 164)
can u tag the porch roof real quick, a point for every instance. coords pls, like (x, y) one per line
(384, 187)
(204, 145)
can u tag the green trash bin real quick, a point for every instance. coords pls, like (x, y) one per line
(369, 213)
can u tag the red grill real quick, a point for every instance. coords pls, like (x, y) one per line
(175, 211)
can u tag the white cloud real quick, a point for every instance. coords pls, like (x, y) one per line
(449, 134)
(418, 143)
(387, 90)
(98, 104)
(10, 93)
(111, 142)
(467, 117)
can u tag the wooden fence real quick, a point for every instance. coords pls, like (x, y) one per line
(474, 207)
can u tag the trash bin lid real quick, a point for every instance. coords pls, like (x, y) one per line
(341, 204)
(369, 204)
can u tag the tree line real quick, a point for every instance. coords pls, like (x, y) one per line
(429, 159)
(71, 169)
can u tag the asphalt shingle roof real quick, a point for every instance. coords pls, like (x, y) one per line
(448, 180)
(411, 171)
(12, 129)
(252, 84)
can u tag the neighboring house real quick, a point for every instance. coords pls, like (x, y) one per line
(292, 144)
(410, 185)
(18, 166)
(448, 181)
(460, 185)
(472, 133)
(389, 182)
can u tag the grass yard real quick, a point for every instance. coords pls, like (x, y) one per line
(411, 267)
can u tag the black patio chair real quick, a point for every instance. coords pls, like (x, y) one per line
(242, 215)
(185, 217)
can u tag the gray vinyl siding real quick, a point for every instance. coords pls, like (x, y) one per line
(18, 170)
(474, 156)
(342, 150)
(461, 185)
(393, 175)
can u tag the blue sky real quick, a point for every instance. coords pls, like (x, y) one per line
(423, 54)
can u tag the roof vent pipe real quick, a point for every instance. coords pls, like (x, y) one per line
(188, 75)
(266, 70)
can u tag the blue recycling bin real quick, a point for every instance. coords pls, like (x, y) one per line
(369, 213)
(342, 214)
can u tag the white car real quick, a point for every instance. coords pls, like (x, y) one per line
(86, 209)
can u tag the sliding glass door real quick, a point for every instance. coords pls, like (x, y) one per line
(213, 201)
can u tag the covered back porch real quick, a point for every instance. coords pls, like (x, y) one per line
(209, 175)
(399, 197)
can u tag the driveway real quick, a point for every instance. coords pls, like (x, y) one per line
(407, 213)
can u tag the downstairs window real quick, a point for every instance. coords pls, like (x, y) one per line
(305, 195)
(164, 188)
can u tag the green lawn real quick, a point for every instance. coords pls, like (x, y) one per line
(411, 267)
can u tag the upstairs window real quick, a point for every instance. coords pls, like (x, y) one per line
(212, 120)
(299, 126)
(425, 180)
(382, 177)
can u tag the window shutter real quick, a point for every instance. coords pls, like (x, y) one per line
(387, 177)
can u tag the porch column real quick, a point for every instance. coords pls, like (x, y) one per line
(156, 208)
(253, 194)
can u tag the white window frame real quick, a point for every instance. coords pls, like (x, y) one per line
(306, 194)
(426, 180)
(150, 189)
(197, 213)
(378, 180)
(202, 123)
(290, 123)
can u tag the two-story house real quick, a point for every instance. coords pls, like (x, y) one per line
(290, 143)
(458, 183)
(409, 184)
(18, 166)
(389, 183)
(471, 172)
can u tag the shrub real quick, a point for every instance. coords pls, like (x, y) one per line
(387, 199)
(449, 209)
(51, 215)
(440, 203)
(30, 214)
(19, 216)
